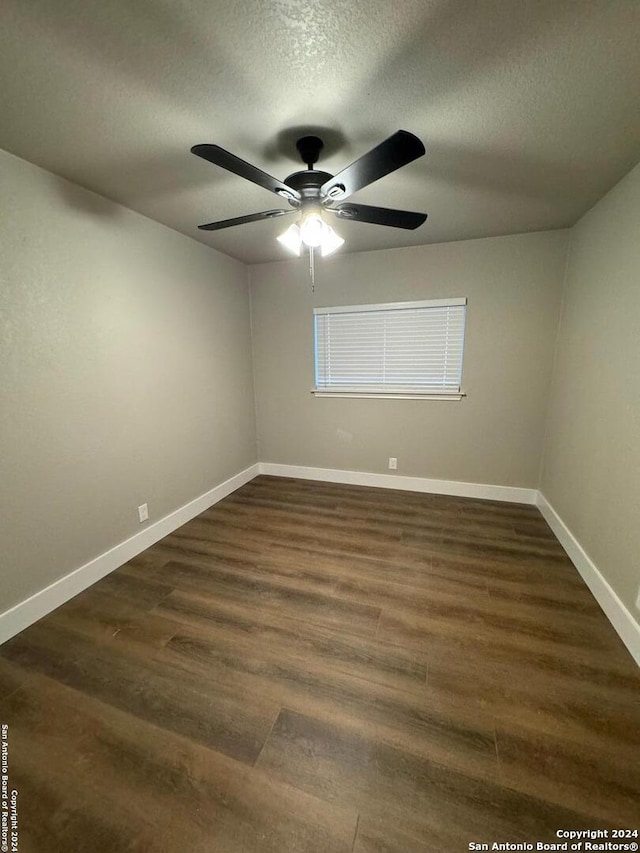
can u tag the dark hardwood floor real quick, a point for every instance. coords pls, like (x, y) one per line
(318, 668)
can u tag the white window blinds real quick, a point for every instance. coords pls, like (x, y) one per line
(402, 349)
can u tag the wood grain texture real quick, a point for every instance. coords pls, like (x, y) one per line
(316, 667)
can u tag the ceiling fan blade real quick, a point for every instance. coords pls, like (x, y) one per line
(219, 157)
(240, 220)
(379, 215)
(394, 152)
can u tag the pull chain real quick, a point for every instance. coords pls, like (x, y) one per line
(312, 269)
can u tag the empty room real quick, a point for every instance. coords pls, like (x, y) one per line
(320, 426)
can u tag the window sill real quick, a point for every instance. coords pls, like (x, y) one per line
(390, 395)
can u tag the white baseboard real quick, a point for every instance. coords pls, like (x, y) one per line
(616, 612)
(31, 609)
(513, 494)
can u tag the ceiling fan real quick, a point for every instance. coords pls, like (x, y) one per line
(313, 193)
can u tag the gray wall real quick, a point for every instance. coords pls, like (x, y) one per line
(126, 374)
(591, 473)
(493, 436)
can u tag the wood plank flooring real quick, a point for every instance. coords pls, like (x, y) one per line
(324, 668)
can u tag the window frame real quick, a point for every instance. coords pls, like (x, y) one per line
(390, 392)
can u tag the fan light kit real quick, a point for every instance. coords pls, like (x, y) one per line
(314, 194)
(313, 232)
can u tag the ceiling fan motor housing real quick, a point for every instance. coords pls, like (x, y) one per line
(308, 183)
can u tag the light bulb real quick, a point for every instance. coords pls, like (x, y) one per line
(312, 229)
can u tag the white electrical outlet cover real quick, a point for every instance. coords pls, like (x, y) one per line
(143, 512)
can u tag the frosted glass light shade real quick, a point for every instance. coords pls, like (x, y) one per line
(291, 239)
(330, 241)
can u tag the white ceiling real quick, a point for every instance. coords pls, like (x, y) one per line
(528, 108)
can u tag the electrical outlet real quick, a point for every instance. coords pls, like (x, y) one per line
(638, 599)
(393, 463)
(143, 513)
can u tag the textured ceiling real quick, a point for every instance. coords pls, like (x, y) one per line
(528, 108)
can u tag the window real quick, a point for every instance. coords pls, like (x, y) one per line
(400, 349)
